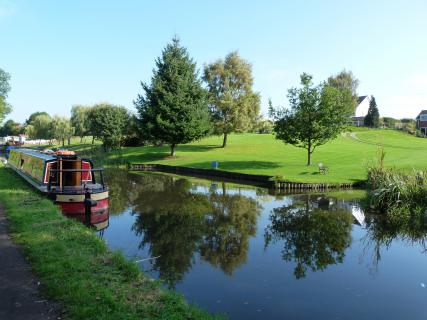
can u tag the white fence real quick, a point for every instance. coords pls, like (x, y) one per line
(40, 141)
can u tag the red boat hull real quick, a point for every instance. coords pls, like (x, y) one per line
(78, 208)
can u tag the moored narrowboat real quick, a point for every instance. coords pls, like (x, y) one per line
(69, 180)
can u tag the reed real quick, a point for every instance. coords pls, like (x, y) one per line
(395, 191)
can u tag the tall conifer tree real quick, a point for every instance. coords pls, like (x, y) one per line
(372, 119)
(174, 107)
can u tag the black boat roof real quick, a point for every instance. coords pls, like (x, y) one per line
(36, 154)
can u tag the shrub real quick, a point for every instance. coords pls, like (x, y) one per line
(395, 191)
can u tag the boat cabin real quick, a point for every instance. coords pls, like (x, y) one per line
(65, 177)
(59, 172)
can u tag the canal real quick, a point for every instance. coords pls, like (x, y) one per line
(250, 254)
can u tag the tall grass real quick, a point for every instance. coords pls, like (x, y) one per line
(395, 191)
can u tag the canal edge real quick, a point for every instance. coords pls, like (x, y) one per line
(243, 178)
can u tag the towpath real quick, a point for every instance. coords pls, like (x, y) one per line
(19, 288)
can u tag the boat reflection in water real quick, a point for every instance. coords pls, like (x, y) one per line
(99, 220)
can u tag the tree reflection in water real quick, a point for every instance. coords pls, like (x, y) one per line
(176, 222)
(228, 227)
(383, 229)
(313, 238)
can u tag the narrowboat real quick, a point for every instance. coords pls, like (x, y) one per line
(69, 180)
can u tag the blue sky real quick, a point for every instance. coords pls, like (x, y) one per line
(61, 53)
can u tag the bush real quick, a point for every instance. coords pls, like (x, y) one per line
(133, 141)
(264, 127)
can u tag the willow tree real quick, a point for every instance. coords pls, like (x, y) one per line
(40, 127)
(174, 108)
(79, 120)
(62, 129)
(317, 115)
(234, 106)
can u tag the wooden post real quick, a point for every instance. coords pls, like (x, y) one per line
(60, 173)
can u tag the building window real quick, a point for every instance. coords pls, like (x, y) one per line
(423, 117)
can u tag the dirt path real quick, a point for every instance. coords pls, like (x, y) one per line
(19, 289)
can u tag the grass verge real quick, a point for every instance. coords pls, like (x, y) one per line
(77, 269)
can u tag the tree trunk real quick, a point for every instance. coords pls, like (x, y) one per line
(309, 152)
(81, 139)
(69, 141)
(173, 145)
(93, 140)
(224, 142)
(63, 142)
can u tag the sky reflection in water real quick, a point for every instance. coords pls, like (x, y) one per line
(239, 250)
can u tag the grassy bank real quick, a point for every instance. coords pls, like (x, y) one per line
(347, 156)
(76, 268)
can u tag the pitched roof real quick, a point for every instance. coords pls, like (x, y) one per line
(422, 112)
(360, 99)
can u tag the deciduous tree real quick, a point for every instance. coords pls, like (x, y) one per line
(11, 128)
(347, 83)
(5, 107)
(317, 115)
(108, 124)
(40, 127)
(34, 115)
(79, 120)
(62, 129)
(174, 108)
(234, 106)
(390, 122)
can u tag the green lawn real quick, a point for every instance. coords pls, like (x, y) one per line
(347, 156)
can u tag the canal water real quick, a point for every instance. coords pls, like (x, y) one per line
(249, 254)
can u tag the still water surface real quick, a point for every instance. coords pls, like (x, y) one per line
(241, 251)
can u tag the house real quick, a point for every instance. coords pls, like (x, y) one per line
(422, 122)
(358, 119)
